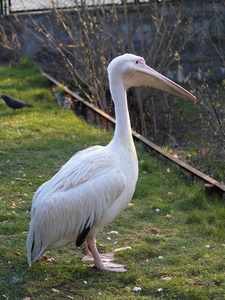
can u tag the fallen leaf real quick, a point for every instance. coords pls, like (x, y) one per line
(45, 257)
(17, 253)
(168, 216)
(50, 259)
(55, 290)
(26, 298)
(127, 289)
(166, 278)
(121, 249)
(113, 232)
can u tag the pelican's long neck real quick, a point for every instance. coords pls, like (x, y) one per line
(123, 133)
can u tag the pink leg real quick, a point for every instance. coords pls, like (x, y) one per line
(98, 261)
(89, 257)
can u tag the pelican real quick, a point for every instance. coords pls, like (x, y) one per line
(96, 184)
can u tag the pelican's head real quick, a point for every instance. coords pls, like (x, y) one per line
(135, 72)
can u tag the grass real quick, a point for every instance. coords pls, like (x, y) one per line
(175, 232)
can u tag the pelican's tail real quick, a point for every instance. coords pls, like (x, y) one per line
(34, 246)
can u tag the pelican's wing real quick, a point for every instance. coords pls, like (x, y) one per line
(76, 203)
(75, 159)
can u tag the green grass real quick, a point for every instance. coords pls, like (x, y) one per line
(175, 232)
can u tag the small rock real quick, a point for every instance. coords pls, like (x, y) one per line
(136, 289)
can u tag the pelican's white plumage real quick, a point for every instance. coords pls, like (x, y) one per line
(96, 184)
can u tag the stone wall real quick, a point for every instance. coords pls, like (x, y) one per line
(23, 38)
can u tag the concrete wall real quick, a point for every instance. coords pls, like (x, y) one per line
(24, 38)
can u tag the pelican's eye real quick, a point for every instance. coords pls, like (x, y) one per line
(137, 61)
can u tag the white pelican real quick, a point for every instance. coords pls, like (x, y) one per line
(96, 184)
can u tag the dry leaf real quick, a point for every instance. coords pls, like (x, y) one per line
(26, 298)
(166, 278)
(55, 290)
(45, 257)
(168, 216)
(121, 249)
(50, 259)
(17, 253)
(113, 232)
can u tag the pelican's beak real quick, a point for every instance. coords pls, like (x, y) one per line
(146, 76)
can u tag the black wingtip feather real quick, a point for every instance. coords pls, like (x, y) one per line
(83, 234)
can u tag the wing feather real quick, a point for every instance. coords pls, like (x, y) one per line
(72, 201)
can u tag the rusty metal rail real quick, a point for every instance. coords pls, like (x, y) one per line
(211, 185)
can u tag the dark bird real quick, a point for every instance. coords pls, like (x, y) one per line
(15, 104)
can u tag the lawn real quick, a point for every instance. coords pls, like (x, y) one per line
(175, 233)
